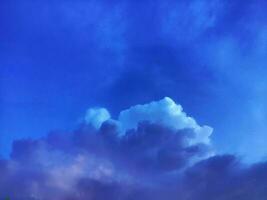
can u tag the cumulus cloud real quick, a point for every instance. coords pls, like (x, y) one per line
(154, 158)
(167, 113)
(96, 116)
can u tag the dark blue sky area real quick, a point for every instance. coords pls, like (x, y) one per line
(58, 58)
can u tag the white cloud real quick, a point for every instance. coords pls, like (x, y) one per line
(96, 116)
(167, 113)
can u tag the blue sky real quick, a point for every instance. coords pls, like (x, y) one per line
(58, 58)
(131, 99)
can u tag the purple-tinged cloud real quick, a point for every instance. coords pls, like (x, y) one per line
(153, 151)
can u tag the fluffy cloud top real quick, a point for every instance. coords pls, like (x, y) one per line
(164, 112)
(96, 116)
(167, 113)
(154, 158)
